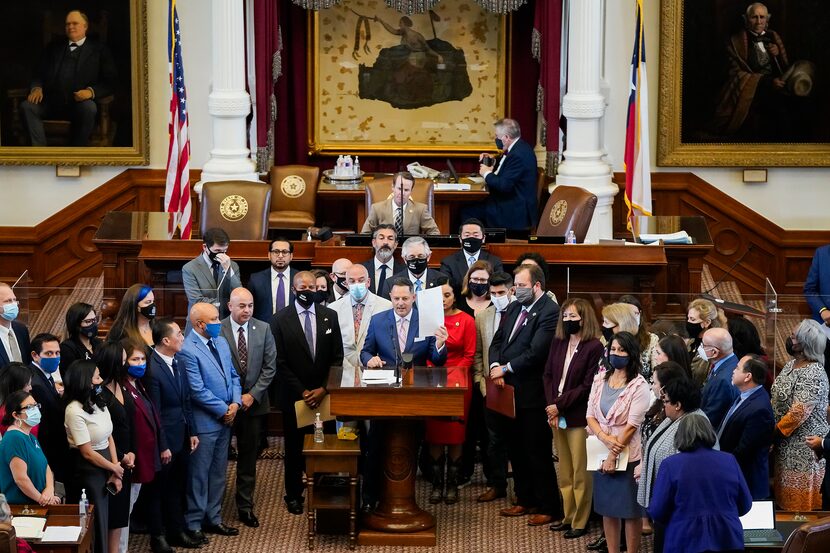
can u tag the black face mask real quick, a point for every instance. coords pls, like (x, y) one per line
(607, 333)
(479, 288)
(471, 245)
(792, 349)
(321, 296)
(305, 298)
(149, 311)
(571, 327)
(341, 282)
(90, 331)
(212, 256)
(694, 329)
(417, 266)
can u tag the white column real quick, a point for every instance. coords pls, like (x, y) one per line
(584, 107)
(228, 103)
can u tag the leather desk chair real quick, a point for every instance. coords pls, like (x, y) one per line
(239, 207)
(811, 537)
(8, 541)
(293, 196)
(379, 189)
(568, 208)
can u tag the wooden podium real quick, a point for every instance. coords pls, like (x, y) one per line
(423, 392)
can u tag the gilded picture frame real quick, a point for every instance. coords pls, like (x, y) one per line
(718, 106)
(31, 54)
(382, 83)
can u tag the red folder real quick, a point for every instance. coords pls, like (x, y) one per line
(501, 400)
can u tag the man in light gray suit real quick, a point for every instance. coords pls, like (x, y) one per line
(355, 310)
(255, 359)
(210, 277)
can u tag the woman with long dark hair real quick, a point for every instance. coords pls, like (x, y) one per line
(81, 335)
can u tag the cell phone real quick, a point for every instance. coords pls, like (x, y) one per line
(110, 487)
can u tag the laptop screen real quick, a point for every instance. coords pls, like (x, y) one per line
(760, 517)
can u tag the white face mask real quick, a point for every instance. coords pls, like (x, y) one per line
(701, 352)
(637, 318)
(501, 302)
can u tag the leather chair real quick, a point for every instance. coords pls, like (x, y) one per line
(379, 189)
(8, 538)
(293, 196)
(811, 537)
(239, 207)
(568, 208)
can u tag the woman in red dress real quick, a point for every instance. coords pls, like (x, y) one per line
(461, 347)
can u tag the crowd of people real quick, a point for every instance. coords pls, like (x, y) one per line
(141, 420)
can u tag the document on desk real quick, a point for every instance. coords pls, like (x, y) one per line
(28, 527)
(61, 534)
(597, 453)
(306, 415)
(430, 311)
(379, 376)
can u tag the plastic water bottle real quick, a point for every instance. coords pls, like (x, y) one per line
(318, 429)
(83, 504)
(357, 166)
(570, 237)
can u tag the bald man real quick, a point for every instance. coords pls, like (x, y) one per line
(215, 396)
(255, 360)
(338, 277)
(718, 393)
(14, 336)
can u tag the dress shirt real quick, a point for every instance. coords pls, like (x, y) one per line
(275, 282)
(468, 255)
(168, 361)
(77, 43)
(413, 278)
(716, 365)
(505, 154)
(395, 211)
(301, 316)
(390, 265)
(4, 338)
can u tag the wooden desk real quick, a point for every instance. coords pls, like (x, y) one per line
(399, 520)
(786, 522)
(61, 515)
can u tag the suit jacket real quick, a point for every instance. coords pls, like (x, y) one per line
(51, 433)
(428, 279)
(572, 403)
(200, 286)
(512, 202)
(262, 362)
(484, 337)
(382, 340)
(297, 370)
(817, 284)
(171, 395)
(147, 435)
(22, 335)
(455, 265)
(213, 386)
(260, 287)
(527, 351)
(397, 267)
(416, 219)
(353, 345)
(747, 435)
(95, 70)
(719, 392)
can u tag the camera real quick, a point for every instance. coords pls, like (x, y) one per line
(488, 161)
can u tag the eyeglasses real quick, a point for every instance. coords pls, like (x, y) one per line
(418, 258)
(89, 322)
(24, 407)
(281, 252)
(480, 280)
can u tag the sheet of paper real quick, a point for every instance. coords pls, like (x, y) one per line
(28, 527)
(597, 452)
(61, 533)
(306, 415)
(378, 374)
(430, 311)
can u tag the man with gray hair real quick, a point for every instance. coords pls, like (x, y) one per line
(718, 392)
(511, 181)
(416, 254)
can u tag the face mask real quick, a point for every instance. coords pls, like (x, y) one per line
(90, 331)
(305, 298)
(321, 296)
(471, 245)
(49, 364)
(618, 361)
(607, 333)
(213, 329)
(358, 291)
(524, 296)
(417, 266)
(32, 415)
(694, 329)
(149, 311)
(571, 327)
(637, 318)
(212, 256)
(384, 254)
(701, 352)
(10, 311)
(97, 389)
(341, 282)
(136, 371)
(501, 302)
(499, 144)
(792, 349)
(479, 288)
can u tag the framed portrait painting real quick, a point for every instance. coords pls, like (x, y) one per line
(73, 83)
(382, 83)
(744, 83)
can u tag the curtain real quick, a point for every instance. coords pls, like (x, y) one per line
(267, 68)
(547, 41)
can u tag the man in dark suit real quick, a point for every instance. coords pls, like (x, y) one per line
(14, 336)
(455, 265)
(45, 357)
(517, 357)
(718, 391)
(749, 425)
(215, 395)
(271, 287)
(308, 343)
(255, 360)
(169, 391)
(383, 264)
(512, 202)
(73, 72)
(416, 254)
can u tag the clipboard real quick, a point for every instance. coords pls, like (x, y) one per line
(597, 453)
(501, 400)
(306, 415)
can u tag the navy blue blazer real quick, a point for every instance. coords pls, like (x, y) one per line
(171, 397)
(747, 435)
(382, 340)
(512, 202)
(817, 284)
(22, 335)
(260, 287)
(52, 432)
(455, 266)
(719, 392)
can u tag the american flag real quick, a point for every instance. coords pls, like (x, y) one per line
(177, 190)
(636, 160)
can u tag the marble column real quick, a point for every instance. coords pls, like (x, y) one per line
(584, 107)
(228, 102)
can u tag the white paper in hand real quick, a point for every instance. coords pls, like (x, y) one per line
(430, 311)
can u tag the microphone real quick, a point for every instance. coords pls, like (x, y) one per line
(729, 271)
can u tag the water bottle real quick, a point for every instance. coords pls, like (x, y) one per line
(83, 505)
(357, 166)
(570, 237)
(318, 429)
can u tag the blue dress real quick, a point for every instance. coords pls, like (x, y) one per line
(27, 448)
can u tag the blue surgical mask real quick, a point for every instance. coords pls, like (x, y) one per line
(213, 329)
(32, 415)
(49, 364)
(358, 291)
(136, 371)
(618, 361)
(10, 311)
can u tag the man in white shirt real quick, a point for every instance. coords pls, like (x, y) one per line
(339, 287)
(14, 336)
(271, 287)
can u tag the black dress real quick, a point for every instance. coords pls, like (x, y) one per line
(72, 350)
(122, 434)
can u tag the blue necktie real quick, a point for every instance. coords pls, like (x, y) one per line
(418, 286)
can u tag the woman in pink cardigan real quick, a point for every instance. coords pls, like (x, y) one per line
(616, 408)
